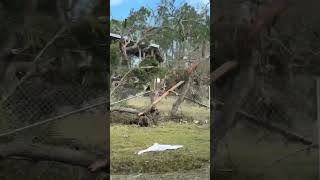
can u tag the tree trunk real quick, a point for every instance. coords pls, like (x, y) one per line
(125, 110)
(40, 152)
(203, 49)
(172, 52)
(123, 55)
(180, 99)
(234, 89)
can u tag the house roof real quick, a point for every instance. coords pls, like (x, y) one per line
(147, 47)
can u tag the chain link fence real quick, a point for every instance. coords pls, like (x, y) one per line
(282, 100)
(33, 101)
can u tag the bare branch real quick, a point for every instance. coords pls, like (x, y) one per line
(39, 152)
(36, 59)
(223, 69)
(291, 154)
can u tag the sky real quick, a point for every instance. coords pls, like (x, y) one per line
(120, 9)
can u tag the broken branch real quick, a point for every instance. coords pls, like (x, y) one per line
(161, 97)
(121, 81)
(223, 69)
(291, 154)
(39, 152)
(126, 110)
(36, 59)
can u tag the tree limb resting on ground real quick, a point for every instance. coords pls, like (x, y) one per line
(126, 110)
(40, 152)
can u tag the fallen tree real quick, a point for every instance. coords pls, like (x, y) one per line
(125, 110)
(41, 152)
(160, 98)
(185, 88)
(150, 113)
(246, 31)
(144, 120)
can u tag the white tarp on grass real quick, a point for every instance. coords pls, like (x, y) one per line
(160, 147)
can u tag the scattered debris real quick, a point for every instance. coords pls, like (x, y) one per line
(185, 122)
(160, 147)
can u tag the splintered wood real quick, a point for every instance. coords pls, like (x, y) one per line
(161, 97)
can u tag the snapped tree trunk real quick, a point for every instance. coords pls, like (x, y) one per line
(185, 88)
(124, 56)
(180, 99)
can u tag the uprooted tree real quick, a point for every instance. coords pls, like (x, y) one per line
(254, 63)
(182, 33)
(242, 46)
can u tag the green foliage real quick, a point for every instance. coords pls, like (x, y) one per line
(148, 74)
(175, 76)
(181, 27)
(138, 18)
(133, 25)
(114, 56)
(149, 62)
(115, 26)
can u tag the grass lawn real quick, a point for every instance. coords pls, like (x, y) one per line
(127, 140)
